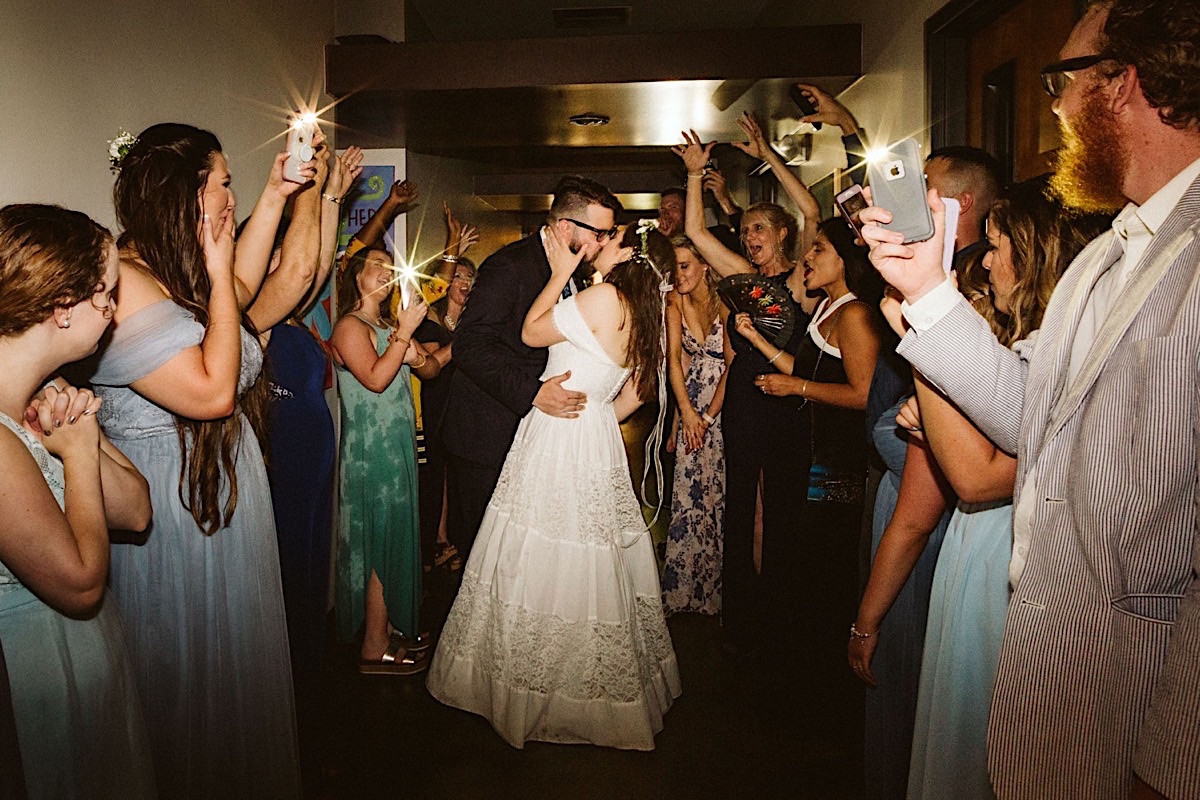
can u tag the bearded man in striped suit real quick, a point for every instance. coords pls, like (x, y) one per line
(1098, 690)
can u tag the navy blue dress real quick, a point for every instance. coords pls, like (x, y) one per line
(300, 469)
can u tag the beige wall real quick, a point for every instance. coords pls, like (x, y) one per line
(889, 101)
(69, 78)
(451, 180)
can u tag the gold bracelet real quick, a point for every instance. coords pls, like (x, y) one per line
(399, 339)
(700, 174)
(804, 389)
(337, 201)
(424, 360)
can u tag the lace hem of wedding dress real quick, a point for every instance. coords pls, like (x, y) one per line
(538, 677)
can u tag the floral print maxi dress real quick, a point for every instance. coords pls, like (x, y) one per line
(692, 575)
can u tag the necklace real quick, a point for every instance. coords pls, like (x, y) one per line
(377, 322)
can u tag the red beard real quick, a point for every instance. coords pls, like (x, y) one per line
(1091, 164)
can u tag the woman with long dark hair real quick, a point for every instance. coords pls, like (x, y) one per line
(557, 633)
(831, 375)
(180, 379)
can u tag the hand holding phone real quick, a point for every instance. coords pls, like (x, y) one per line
(898, 184)
(802, 102)
(850, 202)
(300, 146)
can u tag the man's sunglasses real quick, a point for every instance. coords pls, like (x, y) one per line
(601, 235)
(1056, 76)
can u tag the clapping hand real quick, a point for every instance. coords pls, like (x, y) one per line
(403, 194)
(695, 154)
(65, 420)
(343, 172)
(757, 146)
(459, 237)
(407, 319)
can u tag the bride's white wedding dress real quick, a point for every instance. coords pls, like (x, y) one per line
(557, 633)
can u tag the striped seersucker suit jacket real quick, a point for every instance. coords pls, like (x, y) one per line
(1100, 667)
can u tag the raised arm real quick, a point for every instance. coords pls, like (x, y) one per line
(343, 172)
(286, 287)
(950, 343)
(459, 239)
(924, 497)
(757, 147)
(400, 199)
(695, 155)
(254, 246)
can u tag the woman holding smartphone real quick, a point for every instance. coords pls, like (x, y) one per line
(378, 579)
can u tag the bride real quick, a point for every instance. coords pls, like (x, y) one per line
(557, 634)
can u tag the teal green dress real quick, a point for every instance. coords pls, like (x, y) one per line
(378, 525)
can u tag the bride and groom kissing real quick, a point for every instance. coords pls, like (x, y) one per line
(557, 633)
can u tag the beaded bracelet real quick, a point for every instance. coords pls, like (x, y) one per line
(449, 259)
(855, 633)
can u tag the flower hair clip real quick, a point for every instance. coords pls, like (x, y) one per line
(644, 227)
(118, 148)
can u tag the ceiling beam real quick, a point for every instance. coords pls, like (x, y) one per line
(736, 54)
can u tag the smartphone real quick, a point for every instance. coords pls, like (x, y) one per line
(851, 202)
(299, 146)
(803, 103)
(898, 184)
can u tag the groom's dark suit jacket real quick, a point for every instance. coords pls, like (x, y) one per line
(498, 375)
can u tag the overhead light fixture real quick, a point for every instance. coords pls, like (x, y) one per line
(795, 148)
(589, 120)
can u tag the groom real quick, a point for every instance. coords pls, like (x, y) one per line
(498, 379)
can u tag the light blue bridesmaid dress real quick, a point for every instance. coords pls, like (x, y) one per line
(962, 649)
(204, 614)
(79, 721)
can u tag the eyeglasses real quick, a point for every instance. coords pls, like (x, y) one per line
(1056, 76)
(601, 235)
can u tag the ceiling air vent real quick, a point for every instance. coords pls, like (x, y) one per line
(591, 18)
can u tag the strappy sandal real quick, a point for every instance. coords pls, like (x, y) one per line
(395, 661)
(446, 552)
(420, 644)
